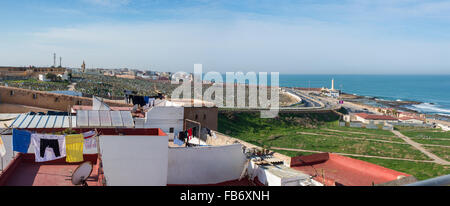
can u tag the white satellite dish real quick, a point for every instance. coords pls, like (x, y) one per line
(81, 174)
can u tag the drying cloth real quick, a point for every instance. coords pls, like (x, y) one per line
(90, 140)
(2, 148)
(74, 148)
(48, 147)
(190, 133)
(21, 140)
(178, 142)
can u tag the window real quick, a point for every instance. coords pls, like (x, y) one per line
(204, 116)
(34, 96)
(56, 99)
(11, 93)
(196, 116)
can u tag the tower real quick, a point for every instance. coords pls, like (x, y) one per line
(83, 67)
(54, 59)
(60, 61)
(332, 84)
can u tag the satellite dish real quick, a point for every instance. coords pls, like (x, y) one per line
(81, 174)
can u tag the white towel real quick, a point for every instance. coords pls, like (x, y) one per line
(2, 148)
(49, 155)
(90, 140)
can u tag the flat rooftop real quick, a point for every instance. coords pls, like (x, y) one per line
(332, 169)
(24, 171)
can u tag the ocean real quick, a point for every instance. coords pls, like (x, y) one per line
(431, 90)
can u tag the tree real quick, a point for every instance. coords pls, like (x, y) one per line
(52, 77)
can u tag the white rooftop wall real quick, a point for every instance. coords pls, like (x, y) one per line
(205, 165)
(165, 118)
(135, 160)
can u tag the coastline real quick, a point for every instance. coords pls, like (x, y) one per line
(398, 105)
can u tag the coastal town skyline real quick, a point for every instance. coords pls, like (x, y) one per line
(349, 37)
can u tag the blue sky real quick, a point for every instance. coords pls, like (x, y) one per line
(318, 37)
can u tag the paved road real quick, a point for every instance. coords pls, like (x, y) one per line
(418, 146)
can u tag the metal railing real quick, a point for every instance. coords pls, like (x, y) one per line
(437, 181)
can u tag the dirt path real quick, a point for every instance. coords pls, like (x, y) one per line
(354, 155)
(355, 138)
(369, 139)
(418, 146)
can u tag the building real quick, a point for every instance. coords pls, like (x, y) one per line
(411, 120)
(374, 119)
(331, 92)
(27, 72)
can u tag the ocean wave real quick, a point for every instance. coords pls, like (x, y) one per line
(429, 108)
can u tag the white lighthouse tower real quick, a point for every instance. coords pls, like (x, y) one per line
(332, 84)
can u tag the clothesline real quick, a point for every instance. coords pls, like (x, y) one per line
(48, 147)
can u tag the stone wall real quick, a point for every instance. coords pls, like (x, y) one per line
(207, 116)
(47, 100)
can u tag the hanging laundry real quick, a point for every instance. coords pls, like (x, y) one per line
(21, 140)
(195, 132)
(189, 133)
(74, 148)
(214, 135)
(146, 100)
(90, 140)
(178, 142)
(138, 100)
(182, 136)
(48, 147)
(2, 148)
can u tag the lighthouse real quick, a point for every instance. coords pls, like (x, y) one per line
(332, 84)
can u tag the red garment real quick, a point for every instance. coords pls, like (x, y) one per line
(190, 133)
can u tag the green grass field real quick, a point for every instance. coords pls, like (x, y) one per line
(320, 132)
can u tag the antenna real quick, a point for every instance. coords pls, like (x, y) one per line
(81, 174)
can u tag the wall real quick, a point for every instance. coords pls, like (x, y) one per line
(135, 160)
(207, 116)
(165, 117)
(205, 165)
(45, 99)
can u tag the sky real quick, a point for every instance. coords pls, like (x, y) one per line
(292, 37)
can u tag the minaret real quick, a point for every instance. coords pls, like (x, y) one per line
(332, 84)
(54, 59)
(83, 67)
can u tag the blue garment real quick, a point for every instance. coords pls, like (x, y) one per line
(146, 99)
(21, 140)
(178, 142)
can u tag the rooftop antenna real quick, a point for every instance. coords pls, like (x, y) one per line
(81, 174)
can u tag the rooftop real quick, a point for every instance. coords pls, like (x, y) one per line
(333, 169)
(375, 117)
(24, 171)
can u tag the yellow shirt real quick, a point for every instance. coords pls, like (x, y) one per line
(74, 148)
